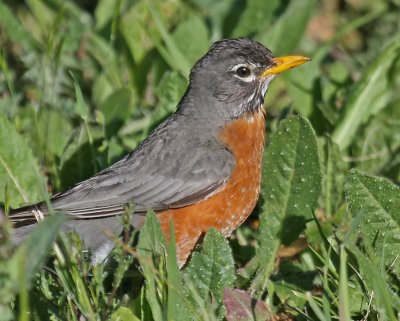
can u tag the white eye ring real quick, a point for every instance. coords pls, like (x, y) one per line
(244, 72)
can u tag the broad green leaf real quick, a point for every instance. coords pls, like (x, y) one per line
(104, 12)
(256, 17)
(116, 109)
(80, 159)
(18, 168)
(376, 202)
(184, 35)
(216, 14)
(370, 94)
(102, 88)
(240, 306)
(31, 254)
(284, 35)
(138, 31)
(290, 190)
(51, 133)
(150, 251)
(209, 272)
(123, 314)
(170, 90)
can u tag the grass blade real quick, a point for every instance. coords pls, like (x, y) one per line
(369, 95)
(344, 306)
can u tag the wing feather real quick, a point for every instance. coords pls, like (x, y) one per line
(172, 168)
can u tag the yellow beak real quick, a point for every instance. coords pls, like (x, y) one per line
(284, 63)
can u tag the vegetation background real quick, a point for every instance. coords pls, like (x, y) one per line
(83, 82)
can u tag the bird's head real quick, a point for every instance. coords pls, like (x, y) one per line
(233, 77)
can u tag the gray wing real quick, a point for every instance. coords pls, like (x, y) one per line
(174, 167)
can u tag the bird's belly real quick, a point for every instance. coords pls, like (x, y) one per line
(229, 207)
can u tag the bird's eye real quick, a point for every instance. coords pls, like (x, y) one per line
(243, 72)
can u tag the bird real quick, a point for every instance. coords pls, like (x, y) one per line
(200, 168)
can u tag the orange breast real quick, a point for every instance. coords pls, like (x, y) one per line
(229, 207)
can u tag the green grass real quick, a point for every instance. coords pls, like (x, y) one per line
(82, 83)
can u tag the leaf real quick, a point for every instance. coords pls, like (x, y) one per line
(42, 12)
(176, 304)
(151, 241)
(139, 30)
(256, 17)
(290, 189)
(301, 82)
(284, 35)
(31, 254)
(384, 299)
(51, 133)
(18, 168)
(82, 109)
(376, 281)
(71, 278)
(292, 278)
(216, 14)
(106, 56)
(344, 308)
(369, 95)
(171, 52)
(123, 314)
(192, 28)
(104, 12)
(334, 170)
(240, 306)
(375, 202)
(174, 280)
(116, 109)
(12, 27)
(209, 272)
(80, 159)
(376, 148)
(170, 90)
(150, 251)
(133, 29)
(282, 38)
(102, 88)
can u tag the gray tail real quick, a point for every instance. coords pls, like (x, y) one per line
(25, 216)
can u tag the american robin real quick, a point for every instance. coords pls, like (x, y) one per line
(201, 167)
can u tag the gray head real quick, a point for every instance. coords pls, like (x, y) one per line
(231, 79)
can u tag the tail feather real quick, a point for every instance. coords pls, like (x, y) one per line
(25, 216)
